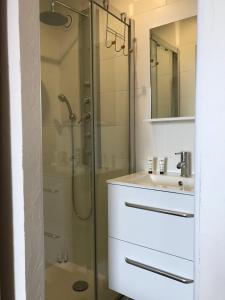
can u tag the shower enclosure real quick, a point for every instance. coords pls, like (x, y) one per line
(87, 112)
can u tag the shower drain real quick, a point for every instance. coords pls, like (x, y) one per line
(80, 286)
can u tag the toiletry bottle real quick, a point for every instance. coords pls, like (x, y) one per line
(151, 165)
(162, 166)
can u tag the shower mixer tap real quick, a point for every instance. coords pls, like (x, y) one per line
(87, 100)
(86, 117)
(185, 164)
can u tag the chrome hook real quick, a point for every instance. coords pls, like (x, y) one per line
(117, 50)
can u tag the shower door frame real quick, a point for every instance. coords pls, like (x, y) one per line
(131, 73)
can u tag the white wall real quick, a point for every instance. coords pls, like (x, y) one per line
(16, 148)
(32, 152)
(162, 139)
(6, 224)
(210, 149)
(25, 111)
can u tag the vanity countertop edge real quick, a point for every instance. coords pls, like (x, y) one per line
(126, 180)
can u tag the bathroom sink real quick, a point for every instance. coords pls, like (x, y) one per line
(169, 182)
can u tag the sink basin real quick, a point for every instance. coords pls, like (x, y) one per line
(168, 182)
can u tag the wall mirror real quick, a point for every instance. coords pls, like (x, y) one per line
(172, 69)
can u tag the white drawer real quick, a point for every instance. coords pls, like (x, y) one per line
(131, 219)
(143, 284)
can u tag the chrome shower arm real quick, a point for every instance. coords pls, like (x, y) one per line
(68, 7)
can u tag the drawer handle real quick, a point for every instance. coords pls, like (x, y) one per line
(160, 210)
(158, 271)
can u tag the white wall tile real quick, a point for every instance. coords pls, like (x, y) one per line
(143, 6)
(142, 71)
(170, 1)
(158, 139)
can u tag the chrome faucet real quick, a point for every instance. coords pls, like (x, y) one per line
(185, 164)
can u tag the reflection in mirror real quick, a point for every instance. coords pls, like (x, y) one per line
(172, 69)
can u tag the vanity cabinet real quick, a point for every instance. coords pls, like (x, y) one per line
(151, 243)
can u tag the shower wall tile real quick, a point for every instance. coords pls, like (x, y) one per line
(50, 50)
(112, 79)
(57, 216)
(50, 142)
(114, 108)
(57, 146)
(114, 142)
(122, 108)
(107, 109)
(121, 138)
(50, 85)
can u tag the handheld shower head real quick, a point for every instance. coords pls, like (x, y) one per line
(63, 98)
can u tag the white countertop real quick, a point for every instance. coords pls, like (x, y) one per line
(165, 183)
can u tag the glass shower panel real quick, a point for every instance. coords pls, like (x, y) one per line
(111, 87)
(67, 154)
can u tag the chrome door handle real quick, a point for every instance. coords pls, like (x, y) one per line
(161, 210)
(158, 271)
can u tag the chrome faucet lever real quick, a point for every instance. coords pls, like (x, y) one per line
(185, 163)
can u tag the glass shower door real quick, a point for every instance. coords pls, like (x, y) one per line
(86, 141)
(112, 127)
(68, 153)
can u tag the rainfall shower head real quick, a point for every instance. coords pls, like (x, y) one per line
(63, 98)
(53, 18)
